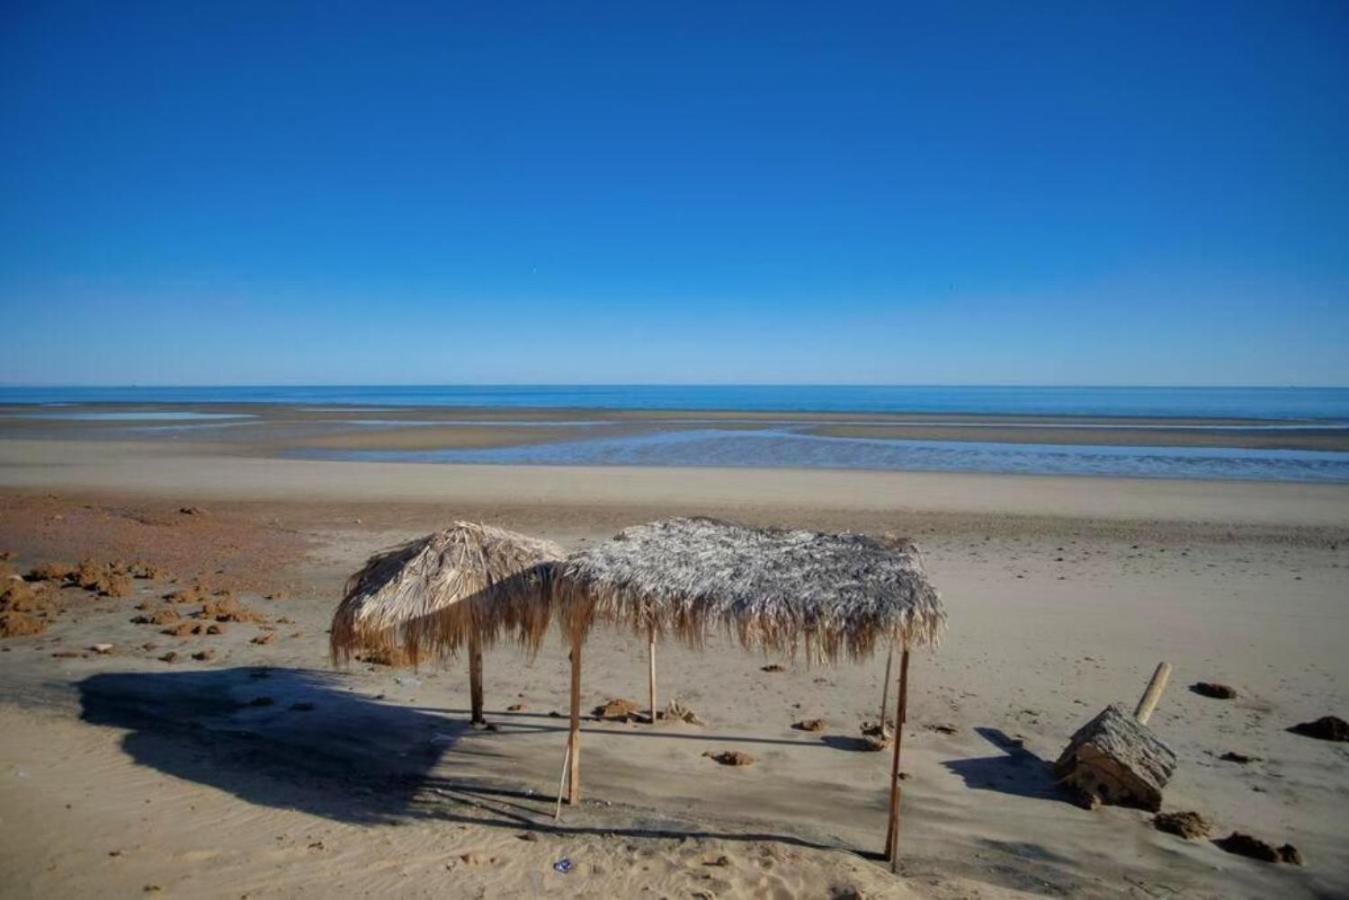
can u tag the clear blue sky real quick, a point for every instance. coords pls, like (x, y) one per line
(198, 193)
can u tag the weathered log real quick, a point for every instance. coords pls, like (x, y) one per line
(1114, 759)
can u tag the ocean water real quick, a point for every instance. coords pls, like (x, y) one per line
(1273, 403)
(772, 448)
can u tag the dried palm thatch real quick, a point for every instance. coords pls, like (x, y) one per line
(431, 596)
(841, 595)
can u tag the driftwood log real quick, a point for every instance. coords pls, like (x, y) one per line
(1116, 759)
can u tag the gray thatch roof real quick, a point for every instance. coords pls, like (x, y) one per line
(840, 594)
(426, 597)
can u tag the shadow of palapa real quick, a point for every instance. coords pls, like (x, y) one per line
(297, 739)
(1015, 771)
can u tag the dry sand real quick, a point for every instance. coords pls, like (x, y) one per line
(120, 772)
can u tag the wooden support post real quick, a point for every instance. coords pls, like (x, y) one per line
(885, 691)
(574, 740)
(475, 679)
(651, 661)
(901, 711)
(1148, 702)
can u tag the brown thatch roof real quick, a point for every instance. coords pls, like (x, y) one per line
(840, 594)
(426, 597)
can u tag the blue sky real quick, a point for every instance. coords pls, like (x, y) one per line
(773, 193)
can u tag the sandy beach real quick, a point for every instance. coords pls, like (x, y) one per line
(1063, 593)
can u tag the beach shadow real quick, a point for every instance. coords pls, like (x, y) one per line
(299, 740)
(852, 744)
(1015, 770)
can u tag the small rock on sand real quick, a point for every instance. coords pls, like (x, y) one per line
(810, 725)
(265, 638)
(1246, 845)
(103, 649)
(191, 511)
(515, 707)
(169, 657)
(203, 655)
(1214, 690)
(1326, 728)
(731, 758)
(1239, 758)
(941, 728)
(617, 709)
(773, 667)
(1189, 825)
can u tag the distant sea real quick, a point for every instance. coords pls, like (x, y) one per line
(713, 442)
(1273, 403)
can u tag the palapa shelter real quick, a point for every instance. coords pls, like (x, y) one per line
(836, 596)
(466, 586)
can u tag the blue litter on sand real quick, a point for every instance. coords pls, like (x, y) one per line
(562, 865)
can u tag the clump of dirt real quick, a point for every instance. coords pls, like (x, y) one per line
(224, 608)
(17, 596)
(114, 584)
(1240, 759)
(265, 638)
(773, 667)
(191, 511)
(876, 736)
(203, 655)
(515, 707)
(88, 574)
(395, 656)
(165, 616)
(146, 571)
(192, 594)
(1326, 728)
(731, 758)
(677, 712)
(216, 628)
(810, 725)
(17, 624)
(25, 612)
(1245, 845)
(51, 571)
(1214, 690)
(941, 727)
(617, 710)
(183, 629)
(169, 657)
(1189, 825)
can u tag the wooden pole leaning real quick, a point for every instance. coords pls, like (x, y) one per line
(901, 710)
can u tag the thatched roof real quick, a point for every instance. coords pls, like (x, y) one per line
(840, 594)
(424, 598)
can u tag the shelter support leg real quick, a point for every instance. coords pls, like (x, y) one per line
(475, 680)
(651, 664)
(574, 739)
(885, 689)
(901, 710)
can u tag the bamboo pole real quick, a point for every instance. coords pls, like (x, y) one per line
(574, 739)
(901, 711)
(885, 690)
(1148, 702)
(475, 679)
(651, 662)
(562, 782)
